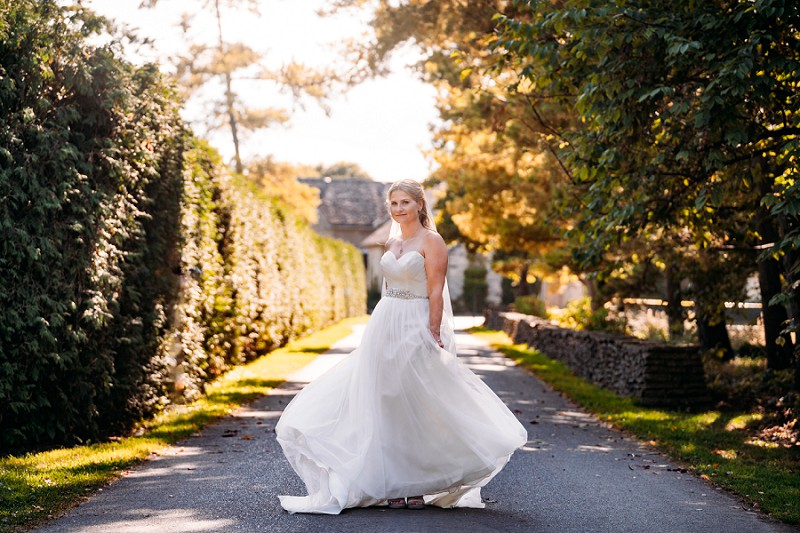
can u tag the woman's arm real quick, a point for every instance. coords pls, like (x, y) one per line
(435, 270)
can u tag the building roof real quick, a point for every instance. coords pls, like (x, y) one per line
(379, 236)
(351, 202)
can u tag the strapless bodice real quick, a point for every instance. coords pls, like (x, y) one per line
(406, 273)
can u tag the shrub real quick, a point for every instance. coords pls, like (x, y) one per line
(530, 305)
(579, 315)
(752, 351)
(475, 289)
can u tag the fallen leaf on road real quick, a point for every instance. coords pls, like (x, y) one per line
(247, 437)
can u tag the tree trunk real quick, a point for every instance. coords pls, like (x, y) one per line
(675, 314)
(595, 297)
(229, 101)
(796, 371)
(791, 259)
(773, 228)
(523, 287)
(779, 353)
(712, 333)
(779, 356)
(229, 98)
(536, 287)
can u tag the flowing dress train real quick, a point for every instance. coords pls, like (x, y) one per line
(399, 416)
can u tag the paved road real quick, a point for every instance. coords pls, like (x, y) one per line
(574, 475)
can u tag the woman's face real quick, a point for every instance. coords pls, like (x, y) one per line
(403, 207)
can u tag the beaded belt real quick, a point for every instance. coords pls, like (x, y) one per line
(404, 295)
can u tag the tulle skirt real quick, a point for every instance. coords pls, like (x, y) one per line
(398, 417)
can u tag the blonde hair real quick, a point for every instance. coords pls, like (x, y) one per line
(414, 189)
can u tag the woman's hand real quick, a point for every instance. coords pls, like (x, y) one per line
(437, 338)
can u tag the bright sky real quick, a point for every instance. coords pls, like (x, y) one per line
(383, 124)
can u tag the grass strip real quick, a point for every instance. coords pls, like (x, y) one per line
(713, 444)
(38, 486)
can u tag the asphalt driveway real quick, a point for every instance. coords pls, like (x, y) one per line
(573, 475)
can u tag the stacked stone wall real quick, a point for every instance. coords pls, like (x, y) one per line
(652, 373)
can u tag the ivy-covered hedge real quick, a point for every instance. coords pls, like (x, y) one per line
(134, 269)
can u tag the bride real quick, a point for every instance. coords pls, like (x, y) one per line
(400, 421)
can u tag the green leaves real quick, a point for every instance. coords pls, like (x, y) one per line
(641, 77)
(686, 132)
(107, 208)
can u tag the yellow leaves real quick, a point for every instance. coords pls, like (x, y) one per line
(231, 58)
(526, 86)
(531, 164)
(253, 119)
(430, 67)
(277, 180)
(301, 80)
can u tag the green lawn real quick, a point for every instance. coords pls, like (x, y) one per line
(714, 444)
(37, 486)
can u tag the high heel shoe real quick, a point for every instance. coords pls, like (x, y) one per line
(396, 503)
(415, 502)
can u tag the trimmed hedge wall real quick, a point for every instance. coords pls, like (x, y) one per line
(252, 276)
(134, 268)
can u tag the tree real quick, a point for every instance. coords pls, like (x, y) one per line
(689, 119)
(343, 169)
(278, 181)
(501, 179)
(229, 62)
(590, 183)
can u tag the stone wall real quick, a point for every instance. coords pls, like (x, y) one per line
(652, 373)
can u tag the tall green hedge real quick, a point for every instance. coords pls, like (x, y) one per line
(133, 267)
(252, 276)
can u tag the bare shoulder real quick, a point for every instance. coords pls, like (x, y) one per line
(433, 243)
(432, 238)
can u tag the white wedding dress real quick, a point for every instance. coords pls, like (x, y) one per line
(399, 416)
